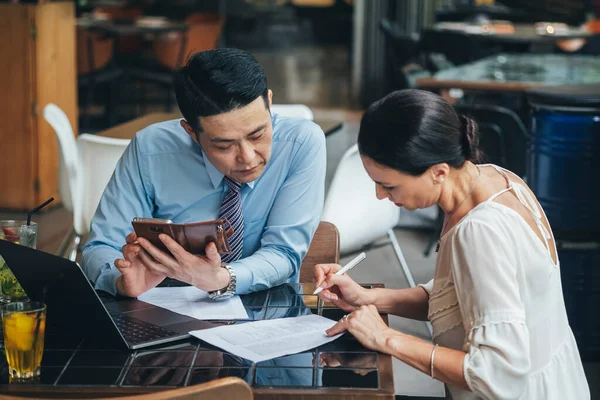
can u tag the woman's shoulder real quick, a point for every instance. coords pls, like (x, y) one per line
(513, 179)
(487, 218)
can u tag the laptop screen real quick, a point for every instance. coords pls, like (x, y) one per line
(73, 307)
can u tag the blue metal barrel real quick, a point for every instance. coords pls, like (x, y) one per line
(580, 276)
(563, 160)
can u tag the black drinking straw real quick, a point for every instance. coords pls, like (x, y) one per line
(39, 319)
(38, 208)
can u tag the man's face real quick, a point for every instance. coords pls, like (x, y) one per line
(238, 142)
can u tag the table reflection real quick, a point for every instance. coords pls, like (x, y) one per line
(285, 301)
(209, 363)
(343, 363)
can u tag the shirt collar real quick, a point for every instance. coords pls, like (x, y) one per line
(216, 177)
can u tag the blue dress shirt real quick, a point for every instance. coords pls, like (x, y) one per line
(165, 174)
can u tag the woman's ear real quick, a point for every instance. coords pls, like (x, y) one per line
(439, 172)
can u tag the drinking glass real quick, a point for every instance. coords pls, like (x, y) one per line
(21, 233)
(24, 325)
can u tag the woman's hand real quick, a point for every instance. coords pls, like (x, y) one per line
(367, 326)
(340, 290)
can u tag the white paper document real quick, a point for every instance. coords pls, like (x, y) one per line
(193, 302)
(264, 340)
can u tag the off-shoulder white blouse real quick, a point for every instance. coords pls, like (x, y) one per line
(497, 296)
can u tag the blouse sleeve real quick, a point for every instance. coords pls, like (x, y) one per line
(485, 273)
(427, 286)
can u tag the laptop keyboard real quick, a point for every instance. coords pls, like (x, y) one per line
(136, 331)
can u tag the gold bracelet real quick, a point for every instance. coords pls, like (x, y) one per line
(431, 362)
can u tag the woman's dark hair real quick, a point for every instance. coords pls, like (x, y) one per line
(411, 130)
(217, 81)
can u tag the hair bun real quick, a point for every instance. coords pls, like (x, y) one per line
(470, 139)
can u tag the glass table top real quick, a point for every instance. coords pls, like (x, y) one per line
(341, 363)
(555, 69)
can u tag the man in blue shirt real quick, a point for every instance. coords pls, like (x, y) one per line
(228, 157)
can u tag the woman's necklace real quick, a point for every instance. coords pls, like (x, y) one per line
(448, 215)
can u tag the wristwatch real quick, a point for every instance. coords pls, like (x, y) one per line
(229, 290)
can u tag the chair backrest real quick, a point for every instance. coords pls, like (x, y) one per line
(503, 136)
(99, 156)
(128, 44)
(324, 249)
(203, 34)
(69, 158)
(352, 206)
(293, 111)
(94, 51)
(224, 388)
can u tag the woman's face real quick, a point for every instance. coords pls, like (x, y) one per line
(404, 190)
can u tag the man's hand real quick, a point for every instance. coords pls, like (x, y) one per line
(135, 278)
(203, 272)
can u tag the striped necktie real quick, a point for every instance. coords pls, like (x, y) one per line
(231, 208)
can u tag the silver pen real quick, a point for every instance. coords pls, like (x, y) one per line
(353, 263)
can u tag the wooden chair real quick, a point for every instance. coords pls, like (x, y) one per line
(203, 34)
(324, 248)
(225, 388)
(128, 44)
(172, 49)
(582, 45)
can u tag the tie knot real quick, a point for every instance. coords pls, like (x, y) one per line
(233, 185)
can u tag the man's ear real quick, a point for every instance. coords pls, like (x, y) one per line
(189, 130)
(270, 97)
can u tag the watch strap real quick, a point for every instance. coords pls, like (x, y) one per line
(229, 290)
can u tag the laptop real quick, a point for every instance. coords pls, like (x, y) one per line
(75, 309)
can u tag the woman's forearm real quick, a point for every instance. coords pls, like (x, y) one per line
(408, 303)
(447, 365)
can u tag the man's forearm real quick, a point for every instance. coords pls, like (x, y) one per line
(98, 265)
(264, 269)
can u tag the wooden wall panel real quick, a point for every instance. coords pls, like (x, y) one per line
(16, 97)
(56, 83)
(37, 67)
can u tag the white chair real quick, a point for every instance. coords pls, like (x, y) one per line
(67, 149)
(293, 111)
(69, 170)
(351, 205)
(99, 156)
(86, 164)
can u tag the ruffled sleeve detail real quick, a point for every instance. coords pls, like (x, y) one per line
(485, 275)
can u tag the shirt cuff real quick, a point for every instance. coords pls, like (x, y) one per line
(243, 276)
(107, 280)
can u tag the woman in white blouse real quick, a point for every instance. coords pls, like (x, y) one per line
(500, 328)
